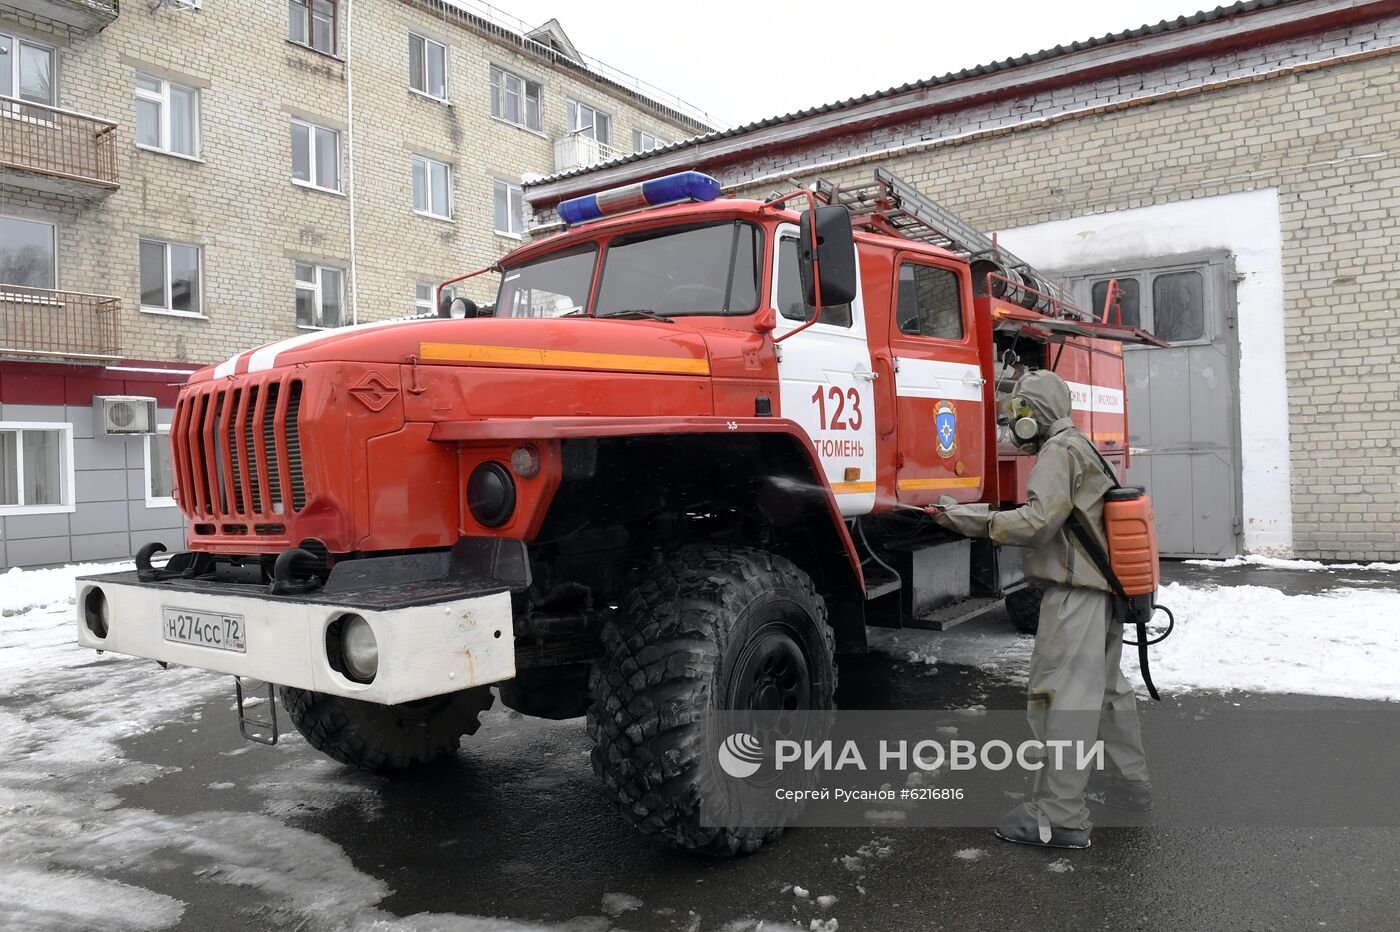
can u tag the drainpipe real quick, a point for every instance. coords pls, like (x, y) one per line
(350, 159)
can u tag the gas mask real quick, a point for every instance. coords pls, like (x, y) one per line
(1025, 429)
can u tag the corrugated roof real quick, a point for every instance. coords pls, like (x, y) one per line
(1181, 22)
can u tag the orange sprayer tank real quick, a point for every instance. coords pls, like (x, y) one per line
(1132, 539)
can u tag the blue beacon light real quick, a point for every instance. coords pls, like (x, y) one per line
(668, 189)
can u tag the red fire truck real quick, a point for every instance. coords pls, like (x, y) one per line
(678, 466)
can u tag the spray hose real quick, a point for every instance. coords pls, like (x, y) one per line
(1138, 610)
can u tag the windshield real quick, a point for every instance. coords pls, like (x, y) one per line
(709, 269)
(549, 287)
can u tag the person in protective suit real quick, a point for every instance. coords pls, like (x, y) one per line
(1075, 673)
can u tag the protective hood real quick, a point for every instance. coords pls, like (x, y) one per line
(1047, 395)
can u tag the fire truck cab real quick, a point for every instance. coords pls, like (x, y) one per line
(680, 463)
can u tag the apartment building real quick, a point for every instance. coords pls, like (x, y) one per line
(180, 179)
(1235, 171)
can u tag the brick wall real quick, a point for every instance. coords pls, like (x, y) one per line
(239, 203)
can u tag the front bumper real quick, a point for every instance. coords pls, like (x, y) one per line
(424, 649)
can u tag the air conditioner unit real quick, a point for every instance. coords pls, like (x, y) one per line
(123, 415)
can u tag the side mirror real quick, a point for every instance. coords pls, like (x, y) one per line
(835, 255)
(457, 308)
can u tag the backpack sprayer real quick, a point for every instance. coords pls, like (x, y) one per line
(1131, 565)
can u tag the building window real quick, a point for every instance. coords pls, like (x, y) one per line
(26, 71)
(315, 156)
(423, 304)
(589, 123)
(432, 188)
(170, 278)
(1171, 304)
(167, 116)
(36, 467)
(515, 99)
(510, 209)
(1129, 301)
(427, 66)
(1179, 306)
(312, 23)
(28, 257)
(320, 296)
(930, 303)
(160, 476)
(642, 141)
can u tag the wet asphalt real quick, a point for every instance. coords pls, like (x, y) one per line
(514, 826)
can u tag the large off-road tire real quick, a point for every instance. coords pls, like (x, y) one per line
(1023, 606)
(714, 628)
(385, 737)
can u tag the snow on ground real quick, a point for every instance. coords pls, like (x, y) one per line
(64, 830)
(1341, 642)
(1278, 563)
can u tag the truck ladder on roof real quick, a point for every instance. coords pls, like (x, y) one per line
(892, 205)
(889, 204)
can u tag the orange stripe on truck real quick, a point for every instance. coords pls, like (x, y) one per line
(960, 482)
(560, 359)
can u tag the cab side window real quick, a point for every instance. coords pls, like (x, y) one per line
(930, 303)
(791, 303)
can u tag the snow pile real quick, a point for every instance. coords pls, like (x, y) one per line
(25, 589)
(1343, 642)
(1278, 563)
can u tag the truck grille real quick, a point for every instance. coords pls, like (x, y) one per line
(237, 451)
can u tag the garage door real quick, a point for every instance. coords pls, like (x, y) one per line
(1182, 398)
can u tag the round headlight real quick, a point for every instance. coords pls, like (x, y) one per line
(525, 461)
(95, 613)
(358, 649)
(491, 494)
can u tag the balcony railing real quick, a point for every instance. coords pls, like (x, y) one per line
(49, 149)
(81, 16)
(578, 151)
(70, 324)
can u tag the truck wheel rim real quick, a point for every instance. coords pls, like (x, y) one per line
(771, 674)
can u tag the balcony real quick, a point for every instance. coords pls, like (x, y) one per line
(58, 151)
(578, 151)
(83, 17)
(64, 324)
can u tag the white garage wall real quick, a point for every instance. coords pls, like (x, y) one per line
(1247, 226)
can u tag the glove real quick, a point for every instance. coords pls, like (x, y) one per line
(967, 520)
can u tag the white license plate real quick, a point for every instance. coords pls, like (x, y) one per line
(204, 629)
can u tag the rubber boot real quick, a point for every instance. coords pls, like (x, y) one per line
(1128, 795)
(1024, 828)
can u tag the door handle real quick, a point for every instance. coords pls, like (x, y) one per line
(869, 375)
(885, 399)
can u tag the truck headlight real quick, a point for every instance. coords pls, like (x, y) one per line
(95, 612)
(359, 651)
(491, 494)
